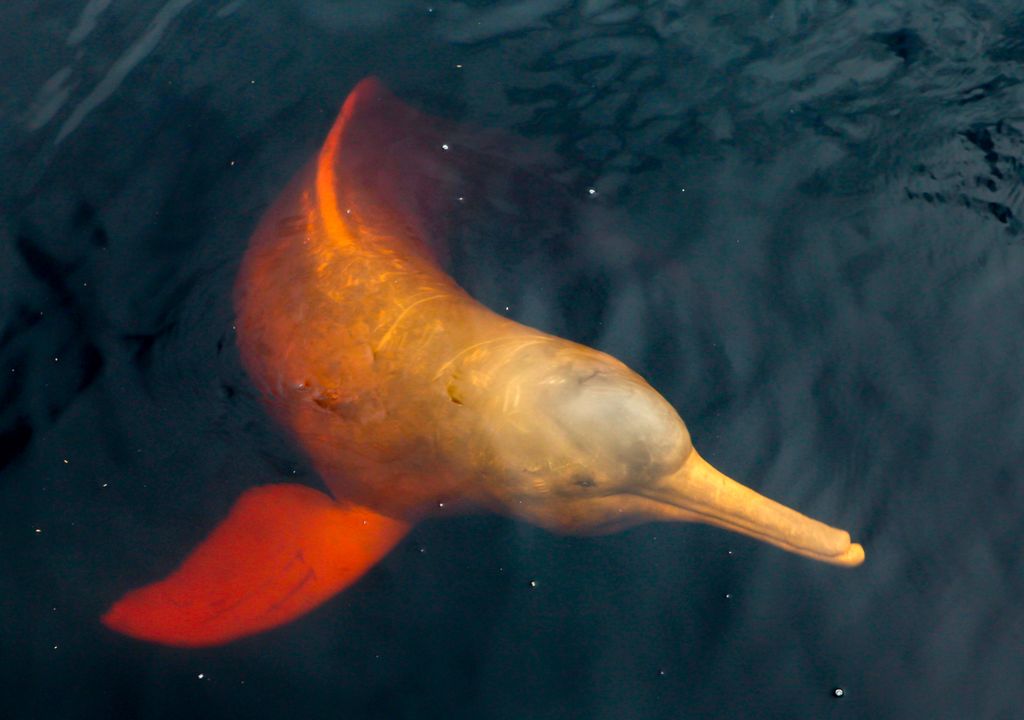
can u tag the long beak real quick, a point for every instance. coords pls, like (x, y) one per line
(700, 493)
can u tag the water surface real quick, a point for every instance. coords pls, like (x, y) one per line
(804, 230)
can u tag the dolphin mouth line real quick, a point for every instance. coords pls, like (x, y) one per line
(844, 553)
(852, 555)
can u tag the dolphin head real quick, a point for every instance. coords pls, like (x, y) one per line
(579, 443)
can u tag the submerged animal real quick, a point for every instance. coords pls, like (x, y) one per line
(413, 400)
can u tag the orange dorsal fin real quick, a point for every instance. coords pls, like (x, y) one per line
(383, 168)
(281, 551)
(390, 172)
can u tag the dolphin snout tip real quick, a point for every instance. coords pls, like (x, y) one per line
(851, 557)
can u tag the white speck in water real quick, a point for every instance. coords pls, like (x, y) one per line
(682, 189)
(592, 191)
(105, 484)
(458, 65)
(54, 647)
(838, 692)
(533, 583)
(38, 530)
(661, 672)
(65, 461)
(728, 596)
(201, 675)
(444, 146)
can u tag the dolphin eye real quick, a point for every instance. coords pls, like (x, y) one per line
(583, 480)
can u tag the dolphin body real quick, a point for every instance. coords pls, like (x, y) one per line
(413, 400)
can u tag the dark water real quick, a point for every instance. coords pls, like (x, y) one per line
(835, 304)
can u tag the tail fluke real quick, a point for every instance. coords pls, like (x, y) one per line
(282, 550)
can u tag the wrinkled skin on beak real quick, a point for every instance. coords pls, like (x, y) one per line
(584, 445)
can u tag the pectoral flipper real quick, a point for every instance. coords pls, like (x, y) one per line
(282, 550)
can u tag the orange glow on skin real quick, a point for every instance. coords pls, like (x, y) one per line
(281, 551)
(412, 400)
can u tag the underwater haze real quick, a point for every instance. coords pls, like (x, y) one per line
(800, 221)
